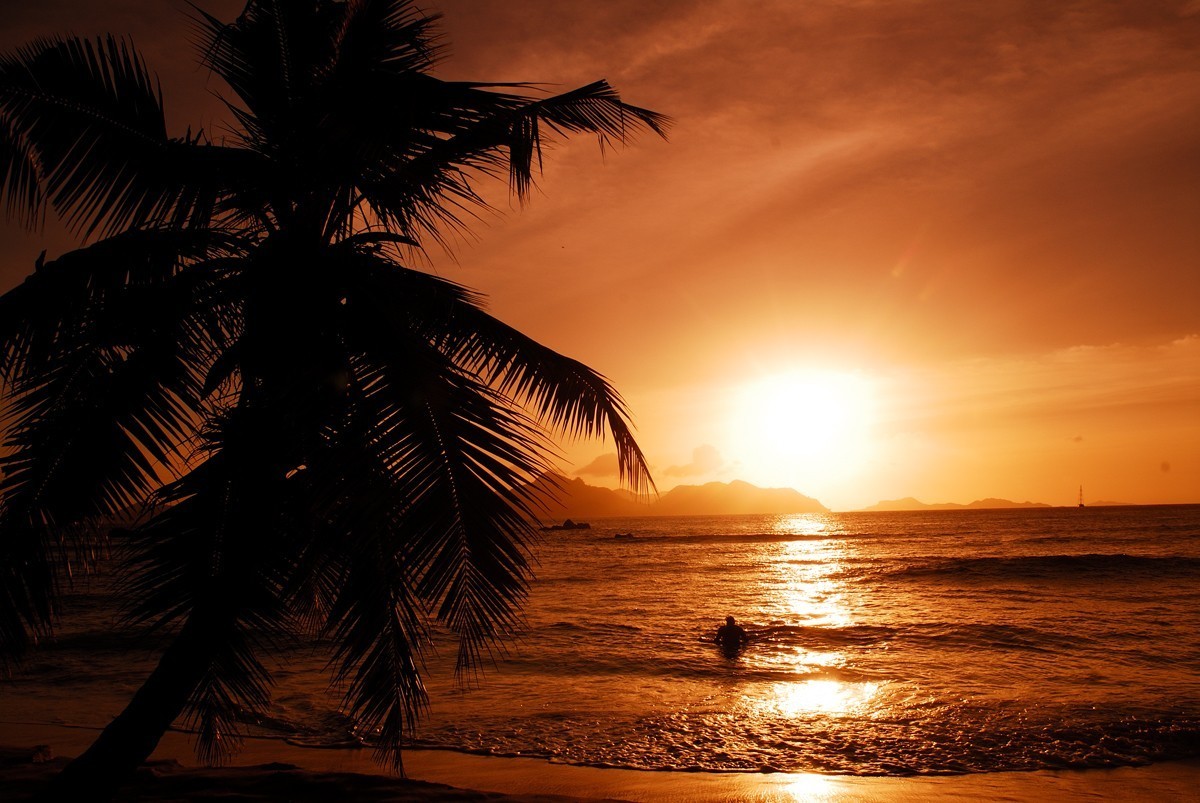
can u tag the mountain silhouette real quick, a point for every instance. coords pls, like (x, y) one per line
(576, 499)
(909, 503)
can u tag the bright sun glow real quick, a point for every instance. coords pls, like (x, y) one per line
(832, 697)
(805, 425)
(811, 788)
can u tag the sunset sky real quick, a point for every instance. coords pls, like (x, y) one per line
(942, 250)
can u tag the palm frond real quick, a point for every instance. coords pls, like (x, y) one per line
(352, 580)
(464, 464)
(437, 136)
(92, 441)
(472, 517)
(103, 353)
(571, 399)
(28, 599)
(218, 552)
(592, 109)
(131, 280)
(378, 629)
(385, 694)
(271, 56)
(84, 121)
(236, 688)
(19, 177)
(169, 563)
(93, 437)
(392, 35)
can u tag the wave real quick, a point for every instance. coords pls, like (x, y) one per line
(808, 636)
(961, 740)
(595, 627)
(732, 538)
(716, 742)
(937, 634)
(664, 650)
(1095, 567)
(992, 636)
(674, 655)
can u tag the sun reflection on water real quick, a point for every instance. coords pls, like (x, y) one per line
(808, 591)
(803, 524)
(832, 697)
(806, 607)
(799, 659)
(811, 788)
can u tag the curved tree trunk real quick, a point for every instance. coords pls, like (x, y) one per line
(111, 761)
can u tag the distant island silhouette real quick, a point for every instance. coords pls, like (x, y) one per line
(577, 499)
(909, 503)
(991, 503)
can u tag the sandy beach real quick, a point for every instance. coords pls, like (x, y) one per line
(272, 770)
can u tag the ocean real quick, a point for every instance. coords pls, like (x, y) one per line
(882, 644)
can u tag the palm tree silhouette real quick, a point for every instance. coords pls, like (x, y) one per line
(332, 444)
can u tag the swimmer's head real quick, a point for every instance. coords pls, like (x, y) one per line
(728, 620)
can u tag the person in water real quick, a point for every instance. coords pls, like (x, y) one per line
(730, 637)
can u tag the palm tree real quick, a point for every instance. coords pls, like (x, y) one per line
(326, 442)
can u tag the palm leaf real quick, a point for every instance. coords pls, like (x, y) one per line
(372, 616)
(219, 551)
(593, 109)
(27, 588)
(133, 279)
(353, 581)
(463, 463)
(571, 399)
(466, 130)
(392, 35)
(84, 121)
(103, 352)
(19, 177)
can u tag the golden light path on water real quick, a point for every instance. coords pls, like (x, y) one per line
(810, 788)
(807, 592)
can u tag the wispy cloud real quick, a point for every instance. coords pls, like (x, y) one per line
(604, 466)
(706, 460)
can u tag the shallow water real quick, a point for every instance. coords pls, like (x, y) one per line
(884, 643)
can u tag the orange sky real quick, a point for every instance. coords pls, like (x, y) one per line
(891, 249)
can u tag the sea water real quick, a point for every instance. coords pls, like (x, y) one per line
(882, 643)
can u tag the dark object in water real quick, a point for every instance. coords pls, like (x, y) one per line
(626, 536)
(731, 638)
(569, 525)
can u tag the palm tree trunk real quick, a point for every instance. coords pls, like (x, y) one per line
(111, 761)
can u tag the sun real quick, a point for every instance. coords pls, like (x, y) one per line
(805, 426)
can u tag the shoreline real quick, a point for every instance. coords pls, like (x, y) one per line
(268, 769)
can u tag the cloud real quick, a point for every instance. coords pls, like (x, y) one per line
(705, 460)
(1136, 383)
(605, 465)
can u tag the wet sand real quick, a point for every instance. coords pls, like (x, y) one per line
(271, 770)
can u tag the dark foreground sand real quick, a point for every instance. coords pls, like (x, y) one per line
(164, 780)
(272, 771)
